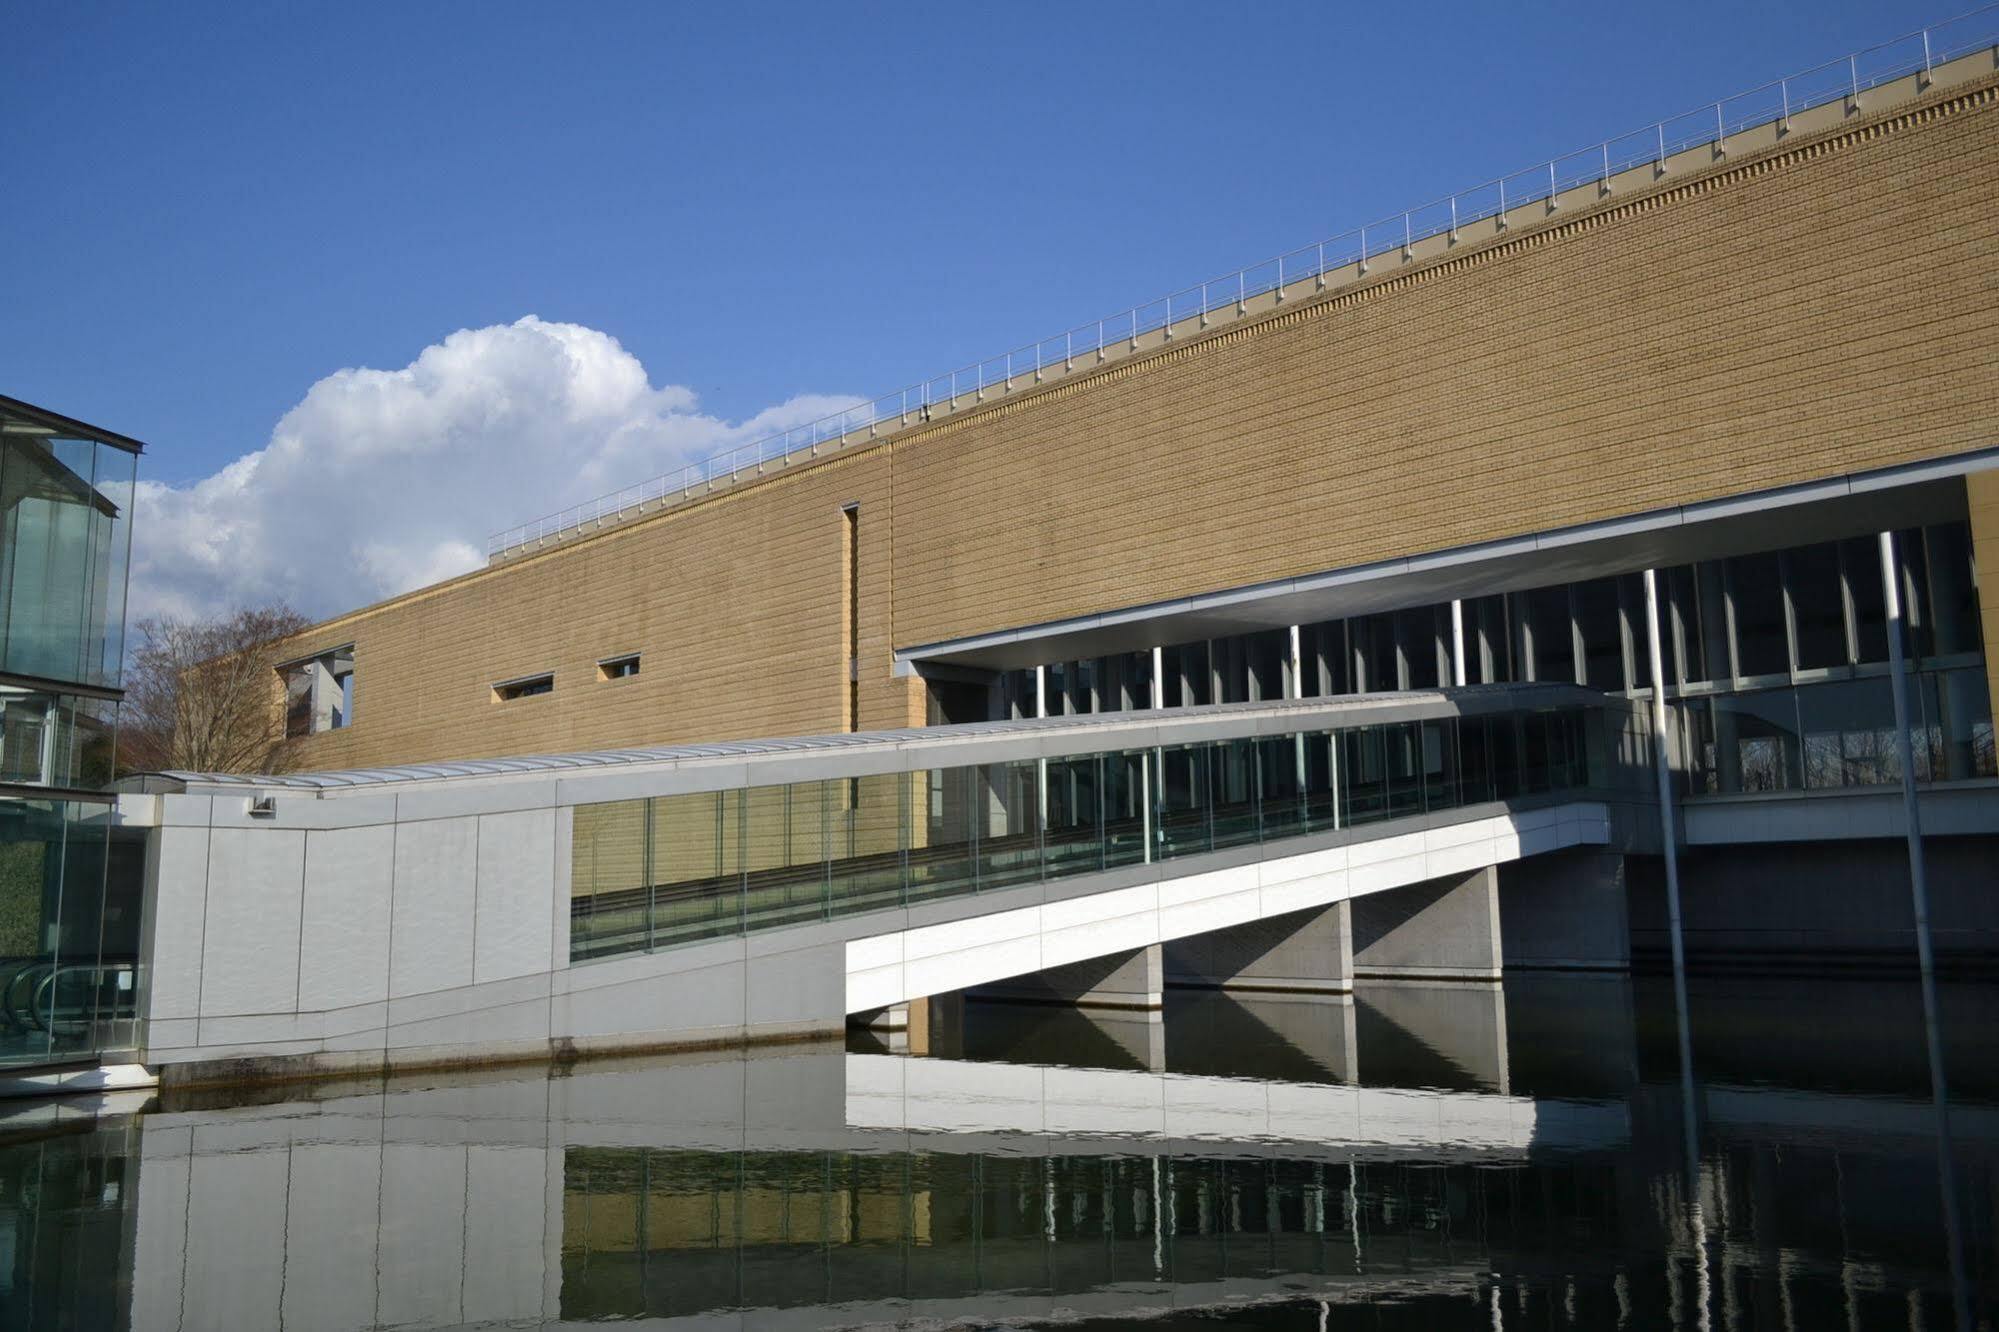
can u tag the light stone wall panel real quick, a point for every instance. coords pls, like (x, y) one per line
(249, 959)
(344, 947)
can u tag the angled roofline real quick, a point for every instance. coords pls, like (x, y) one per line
(68, 425)
(731, 764)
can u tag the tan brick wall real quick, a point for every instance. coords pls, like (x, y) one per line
(1825, 307)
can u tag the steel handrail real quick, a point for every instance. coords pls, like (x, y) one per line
(1846, 77)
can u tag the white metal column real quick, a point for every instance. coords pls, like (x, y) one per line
(1457, 642)
(1663, 767)
(1041, 765)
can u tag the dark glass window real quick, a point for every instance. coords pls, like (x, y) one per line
(1550, 646)
(1416, 634)
(1953, 594)
(1054, 688)
(1488, 642)
(1756, 591)
(1637, 644)
(527, 688)
(1187, 675)
(1601, 622)
(1860, 563)
(1374, 653)
(1818, 610)
(1266, 654)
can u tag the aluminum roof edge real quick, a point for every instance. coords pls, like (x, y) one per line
(727, 765)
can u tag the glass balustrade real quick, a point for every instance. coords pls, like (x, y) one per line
(676, 869)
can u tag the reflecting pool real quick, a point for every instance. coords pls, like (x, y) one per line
(1525, 1155)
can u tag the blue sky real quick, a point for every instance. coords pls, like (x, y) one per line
(210, 210)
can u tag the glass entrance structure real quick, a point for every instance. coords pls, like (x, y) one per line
(69, 921)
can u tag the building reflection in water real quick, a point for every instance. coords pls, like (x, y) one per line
(1392, 1167)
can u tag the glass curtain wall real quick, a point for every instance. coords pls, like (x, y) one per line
(69, 892)
(671, 870)
(1777, 662)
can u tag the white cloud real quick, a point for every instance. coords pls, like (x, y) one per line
(380, 481)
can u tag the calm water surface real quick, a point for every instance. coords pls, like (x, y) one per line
(1525, 1157)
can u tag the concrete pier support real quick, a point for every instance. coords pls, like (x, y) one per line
(1566, 911)
(1133, 980)
(1435, 1034)
(1446, 929)
(1307, 952)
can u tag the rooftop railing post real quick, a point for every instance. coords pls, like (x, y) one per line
(1280, 279)
(1454, 219)
(1069, 351)
(1853, 77)
(1502, 204)
(1241, 292)
(1659, 163)
(1784, 95)
(1605, 178)
(1551, 184)
(1720, 132)
(1927, 71)
(1406, 244)
(1320, 285)
(1362, 270)
(1134, 328)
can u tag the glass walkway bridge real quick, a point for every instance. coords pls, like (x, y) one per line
(772, 889)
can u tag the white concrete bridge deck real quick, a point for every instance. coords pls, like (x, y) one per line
(357, 920)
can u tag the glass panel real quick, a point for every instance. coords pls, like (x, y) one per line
(1756, 741)
(1440, 765)
(1416, 636)
(63, 551)
(1636, 645)
(1074, 840)
(655, 873)
(1009, 841)
(1126, 788)
(58, 997)
(1475, 760)
(609, 888)
(1818, 609)
(1375, 669)
(1280, 760)
(785, 855)
(1848, 733)
(943, 853)
(865, 818)
(1364, 785)
(1185, 817)
(696, 866)
(1548, 642)
(1235, 777)
(1953, 589)
(1860, 564)
(1187, 675)
(1965, 723)
(1756, 592)
(1321, 791)
(1601, 624)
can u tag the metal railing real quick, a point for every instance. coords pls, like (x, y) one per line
(1846, 78)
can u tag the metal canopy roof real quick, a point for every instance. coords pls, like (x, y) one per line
(67, 426)
(1351, 709)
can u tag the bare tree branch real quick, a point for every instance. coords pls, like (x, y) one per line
(201, 695)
